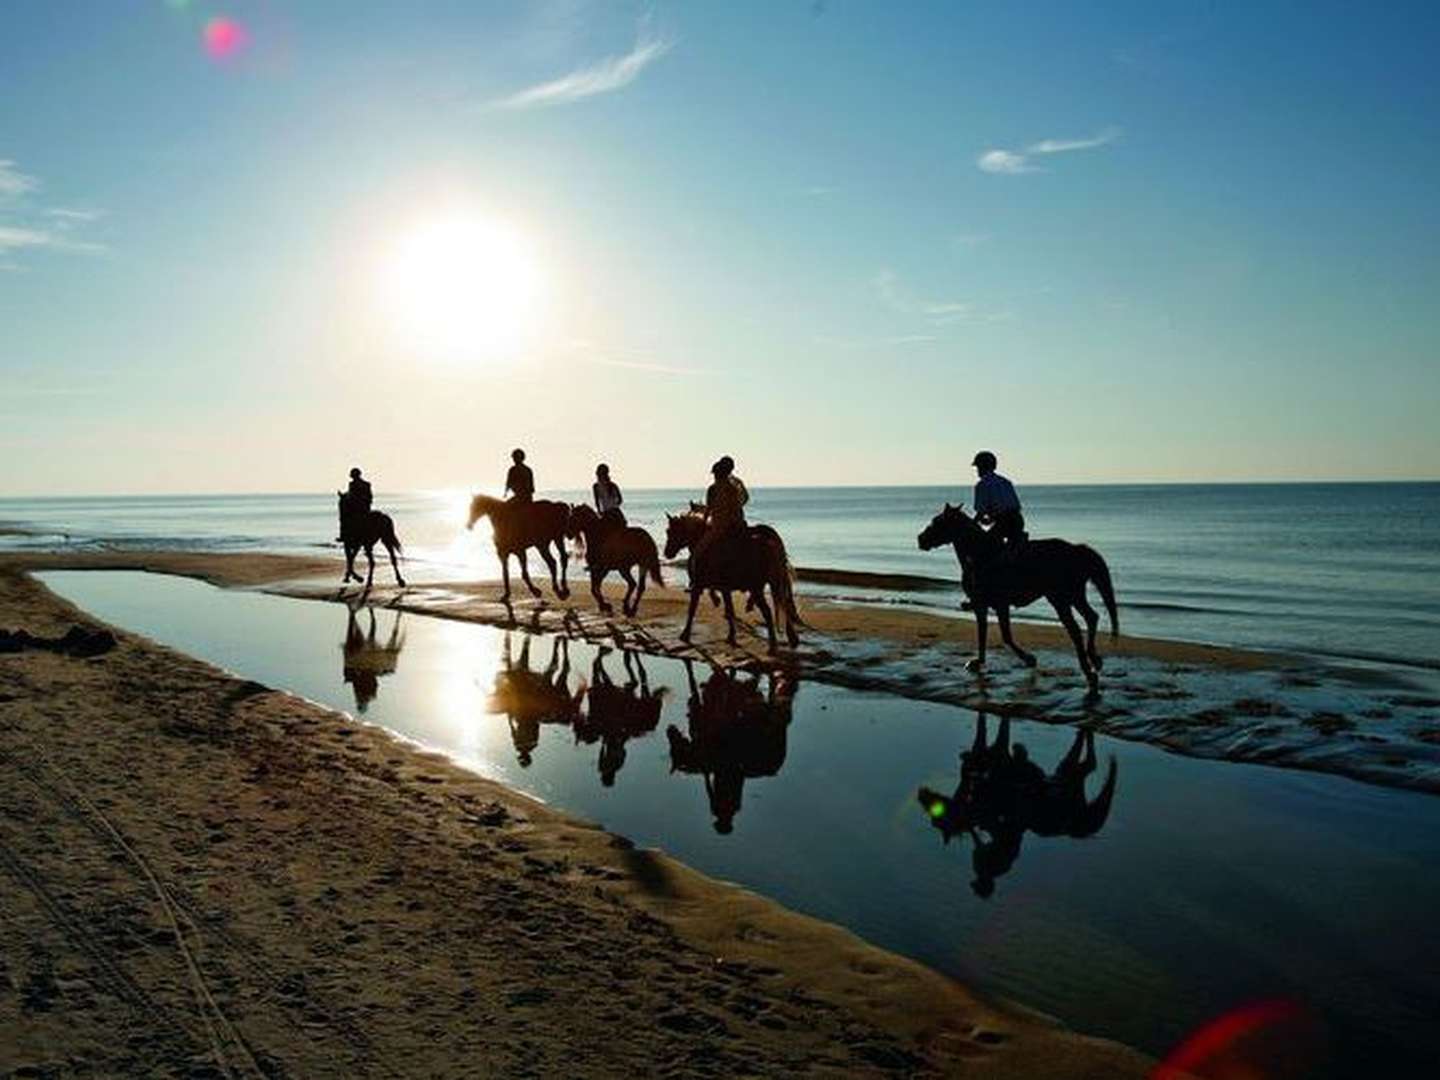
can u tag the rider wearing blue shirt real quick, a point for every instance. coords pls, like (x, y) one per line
(996, 503)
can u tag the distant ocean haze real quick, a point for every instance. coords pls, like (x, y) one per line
(1345, 570)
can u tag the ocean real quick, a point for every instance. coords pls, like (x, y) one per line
(1341, 571)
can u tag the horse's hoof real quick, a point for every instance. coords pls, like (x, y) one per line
(1029, 660)
(975, 665)
(1097, 662)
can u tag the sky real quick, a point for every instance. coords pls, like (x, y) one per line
(245, 246)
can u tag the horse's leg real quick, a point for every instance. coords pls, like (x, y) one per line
(394, 565)
(1092, 621)
(370, 558)
(690, 615)
(349, 564)
(564, 567)
(596, 577)
(524, 557)
(1002, 616)
(730, 616)
(560, 591)
(758, 597)
(1072, 628)
(629, 589)
(505, 574)
(982, 628)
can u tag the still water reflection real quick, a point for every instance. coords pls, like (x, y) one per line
(1154, 892)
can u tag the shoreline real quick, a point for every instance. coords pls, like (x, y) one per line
(1204, 701)
(180, 862)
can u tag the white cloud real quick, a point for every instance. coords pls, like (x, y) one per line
(64, 215)
(14, 237)
(612, 73)
(14, 183)
(937, 312)
(1006, 162)
(1015, 162)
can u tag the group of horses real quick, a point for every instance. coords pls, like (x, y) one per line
(995, 577)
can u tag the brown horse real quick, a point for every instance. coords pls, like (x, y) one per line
(993, 578)
(744, 563)
(522, 525)
(615, 547)
(365, 530)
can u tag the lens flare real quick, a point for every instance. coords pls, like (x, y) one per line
(224, 38)
(1265, 1040)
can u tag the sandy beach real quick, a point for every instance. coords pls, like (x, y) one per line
(210, 878)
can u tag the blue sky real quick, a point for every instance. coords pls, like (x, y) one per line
(844, 242)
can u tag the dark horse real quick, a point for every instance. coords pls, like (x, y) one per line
(1055, 569)
(522, 525)
(615, 547)
(1002, 794)
(364, 530)
(744, 563)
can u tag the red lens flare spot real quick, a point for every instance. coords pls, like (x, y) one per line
(1265, 1040)
(224, 38)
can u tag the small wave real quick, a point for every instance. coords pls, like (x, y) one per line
(866, 579)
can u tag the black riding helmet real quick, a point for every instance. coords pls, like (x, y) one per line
(724, 467)
(985, 460)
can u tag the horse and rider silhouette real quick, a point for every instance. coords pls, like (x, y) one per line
(736, 733)
(367, 661)
(363, 527)
(617, 713)
(529, 698)
(1002, 795)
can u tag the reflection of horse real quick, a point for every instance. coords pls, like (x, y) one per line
(365, 530)
(366, 660)
(522, 525)
(993, 577)
(618, 713)
(615, 547)
(746, 561)
(530, 699)
(736, 733)
(1002, 794)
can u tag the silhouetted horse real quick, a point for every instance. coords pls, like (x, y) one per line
(746, 562)
(617, 714)
(523, 525)
(366, 660)
(1002, 794)
(365, 530)
(615, 547)
(530, 699)
(994, 578)
(736, 733)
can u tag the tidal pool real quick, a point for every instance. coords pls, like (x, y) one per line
(1169, 891)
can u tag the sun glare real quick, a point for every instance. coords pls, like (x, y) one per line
(462, 289)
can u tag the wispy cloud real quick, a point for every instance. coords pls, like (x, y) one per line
(612, 73)
(1015, 162)
(14, 183)
(896, 296)
(592, 352)
(24, 226)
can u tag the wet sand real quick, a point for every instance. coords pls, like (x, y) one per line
(1201, 700)
(206, 877)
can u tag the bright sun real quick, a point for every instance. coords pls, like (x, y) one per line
(462, 288)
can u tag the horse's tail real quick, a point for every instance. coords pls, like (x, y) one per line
(390, 535)
(1099, 573)
(1092, 819)
(652, 562)
(783, 583)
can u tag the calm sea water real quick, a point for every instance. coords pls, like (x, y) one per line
(1345, 570)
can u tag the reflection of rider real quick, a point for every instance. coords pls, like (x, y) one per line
(996, 503)
(358, 498)
(725, 501)
(520, 481)
(607, 497)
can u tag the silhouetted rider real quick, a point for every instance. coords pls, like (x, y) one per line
(725, 501)
(996, 503)
(520, 481)
(358, 498)
(608, 499)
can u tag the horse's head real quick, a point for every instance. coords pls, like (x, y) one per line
(582, 518)
(681, 531)
(946, 527)
(480, 505)
(946, 814)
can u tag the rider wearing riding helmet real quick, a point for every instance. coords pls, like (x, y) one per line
(996, 503)
(725, 501)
